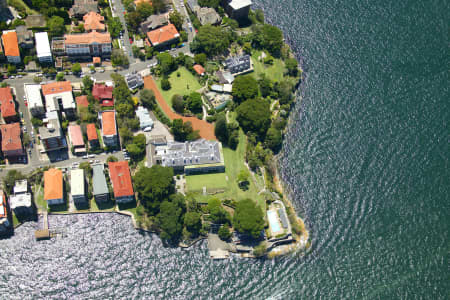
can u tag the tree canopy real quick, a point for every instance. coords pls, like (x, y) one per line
(254, 115)
(195, 102)
(193, 222)
(268, 37)
(217, 213)
(176, 19)
(183, 131)
(221, 129)
(178, 103)
(154, 185)
(244, 88)
(248, 218)
(147, 98)
(56, 26)
(167, 62)
(211, 40)
(170, 221)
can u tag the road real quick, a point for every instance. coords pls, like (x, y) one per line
(180, 7)
(118, 10)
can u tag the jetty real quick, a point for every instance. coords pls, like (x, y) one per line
(44, 233)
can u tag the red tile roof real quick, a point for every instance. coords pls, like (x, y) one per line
(7, 105)
(91, 132)
(53, 184)
(10, 44)
(162, 34)
(56, 87)
(82, 101)
(11, 140)
(120, 178)
(199, 69)
(93, 21)
(109, 122)
(102, 92)
(96, 60)
(76, 137)
(88, 38)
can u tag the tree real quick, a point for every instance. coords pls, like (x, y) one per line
(243, 175)
(165, 84)
(154, 185)
(144, 9)
(248, 218)
(265, 86)
(193, 222)
(114, 26)
(224, 232)
(200, 58)
(60, 76)
(284, 89)
(76, 68)
(291, 66)
(183, 131)
(158, 5)
(244, 88)
(209, 3)
(273, 139)
(259, 14)
(176, 19)
(268, 37)
(254, 115)
(247, 47)
(56, 26)
(133, 20)
(126, 135)
(170, 221)
(260, 250)
(135, 151)
(178, 103)
(221, 129)
(135, 50)
(217, 213)
(195, 102)
(118, 58)
(166, 62)
(36, 122)
(211, 40)
(111, 158)
(87, 83)
(86, 166)
(147, 98)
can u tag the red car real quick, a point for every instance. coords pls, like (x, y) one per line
(26, 102)
(131, 41)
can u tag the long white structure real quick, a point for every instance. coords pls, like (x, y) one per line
(33, 95)
(43, 50)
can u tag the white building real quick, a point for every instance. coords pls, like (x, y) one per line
(43, 51)
(20, 202)
(144, 118)
(33, 95)
(77, 186)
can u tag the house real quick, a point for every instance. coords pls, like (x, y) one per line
(82, 7)
(144, 118)
(35, 21)
(7, 105)
(78, 186)
(153, 22)
(24, 37)
(119, 173)
(199, 70)
(53, 187)
(92, 135)
(11, 46)
(237, 9)
(87, 45)
(207, 15)
(82, 101)
(103, 94)
(11, 140)
(51, 134)
(93, 21)
(59, 95)
(195, 157)
(100, 187)
(20, 202)
(109, 128)
(43, 51)
(5, 224)
(163, 36)
(239, 64)
(33, 95)
(134, 81)
(76, 139)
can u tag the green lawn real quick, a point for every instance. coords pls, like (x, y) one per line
(214, 181)
(38, 192)
(183, 85)
(21, 6)
(234, 163)
(274, 72)
(15, 220)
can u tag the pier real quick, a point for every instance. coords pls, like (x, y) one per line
(44, 233)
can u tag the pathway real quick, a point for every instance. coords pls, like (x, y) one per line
(205, 129)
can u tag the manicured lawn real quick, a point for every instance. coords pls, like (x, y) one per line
(15, 220)
(38, 192)
(214, 181)
(19, 4)
(274, 71)
(183, 85)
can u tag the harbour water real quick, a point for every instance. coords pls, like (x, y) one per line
(366, 158)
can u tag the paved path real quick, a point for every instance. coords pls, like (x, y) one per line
(205, 129)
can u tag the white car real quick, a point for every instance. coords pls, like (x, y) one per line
(19, 76)
(91, 155)
(85, 157)
(101, 70)
(91, 161)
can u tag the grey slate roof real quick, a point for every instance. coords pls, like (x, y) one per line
(153, 22)
(134, 81)
(237, 64)
(98, 180)
(207, 15)
(176, 154)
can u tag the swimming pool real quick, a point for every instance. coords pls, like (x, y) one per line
(274, 224)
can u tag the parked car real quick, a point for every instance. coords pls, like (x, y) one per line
(97, 161)
(19, 76)
(101, 70)
(85, 157)
(26, 102)
(91, 155)
(91, 161)
(12, 77)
